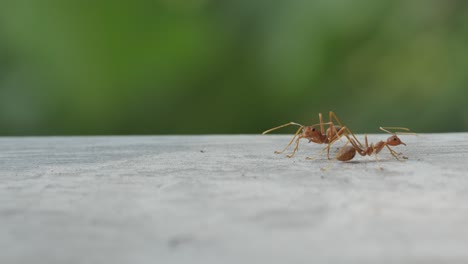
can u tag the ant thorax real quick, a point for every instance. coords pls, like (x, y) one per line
(375, 148)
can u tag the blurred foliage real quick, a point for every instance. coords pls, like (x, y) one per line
(206, 66)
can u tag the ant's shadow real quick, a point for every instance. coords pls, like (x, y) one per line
(371, 161)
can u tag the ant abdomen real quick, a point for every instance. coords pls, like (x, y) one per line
(346, 153)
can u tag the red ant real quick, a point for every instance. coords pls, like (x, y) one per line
(321, 136)
(347, 153)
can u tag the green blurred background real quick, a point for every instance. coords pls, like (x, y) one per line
(239, 66)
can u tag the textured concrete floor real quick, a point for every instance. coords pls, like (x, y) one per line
(229, 199)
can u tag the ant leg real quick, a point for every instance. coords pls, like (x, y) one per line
(285, 125)
(359, 149)
(335, 138)
(295, 149)
(333, 116)
(394, 154)
(331, 125)
(315, 156)
(322, 129)
(290, 142)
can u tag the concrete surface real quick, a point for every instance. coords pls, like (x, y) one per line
(229, 199)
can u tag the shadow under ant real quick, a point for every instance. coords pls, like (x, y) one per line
(369, 161)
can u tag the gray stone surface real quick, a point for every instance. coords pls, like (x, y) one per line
(229, 199)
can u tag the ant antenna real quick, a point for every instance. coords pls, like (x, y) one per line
(278, 127)
(289, 124)
(385, 129)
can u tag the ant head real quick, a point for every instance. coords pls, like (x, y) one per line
(394, 141)
(311, 132)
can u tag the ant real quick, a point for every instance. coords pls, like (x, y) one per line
(347, 153)
(314, 135)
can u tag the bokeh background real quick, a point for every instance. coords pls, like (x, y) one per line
(206, 66)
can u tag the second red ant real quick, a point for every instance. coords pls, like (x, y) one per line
(347, 153)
